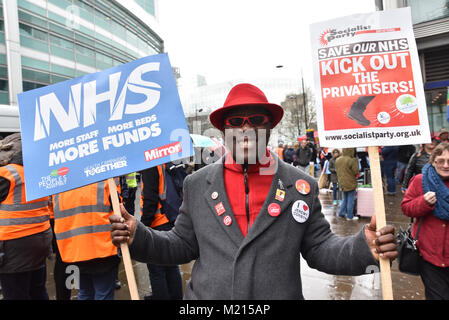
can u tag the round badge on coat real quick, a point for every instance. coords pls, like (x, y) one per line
(302, 186)
(227, 220)
(300, 211)
(274, 209)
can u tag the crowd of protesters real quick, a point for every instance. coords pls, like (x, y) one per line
(422, 174)
(86, 233)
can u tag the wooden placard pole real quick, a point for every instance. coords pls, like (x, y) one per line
(124, 246)
(379, 209)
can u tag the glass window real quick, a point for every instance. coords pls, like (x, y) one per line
(32, 32)
(63, 53)
(102, 20)
(61, 3)
(62, 70)
(131, 38)
(3, 72)
(103, 61)
(31, 7)
(56, 79)
(2, 58)
(63, 31)
(25, 30)
(82, 5)
(436, 108)
(40, 35)
(26, 17)
(34, 44)
(80, 73)
(4, 98)
(57, 18)
(147, 5)
(3, 85)
(33, 75)
(61, 42)
(102, 47)
(85, 51)
(84, 39)
(36, 64)
(31, 85)
(85, 30)
(88, 61)
(428, 10)
(118, 30)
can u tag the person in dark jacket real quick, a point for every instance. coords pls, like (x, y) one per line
(405, 152)
(427, 200)
(418, 160)
(25, 232)
(334, 177)
(304, 156)
(390, 160)
(288, 154)
(166, 281)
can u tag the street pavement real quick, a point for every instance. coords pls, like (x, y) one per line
(316, 285)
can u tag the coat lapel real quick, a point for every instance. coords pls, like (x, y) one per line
(264, 220)
(216, 189)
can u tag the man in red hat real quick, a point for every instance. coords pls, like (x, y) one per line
(246, 218)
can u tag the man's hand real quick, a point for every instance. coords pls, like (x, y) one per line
(382, 242)
(122, 228)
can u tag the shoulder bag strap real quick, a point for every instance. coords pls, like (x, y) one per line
(419, 227)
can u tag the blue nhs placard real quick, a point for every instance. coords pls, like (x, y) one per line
(101, 125)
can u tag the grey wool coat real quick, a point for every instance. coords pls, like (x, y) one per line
(266, 263)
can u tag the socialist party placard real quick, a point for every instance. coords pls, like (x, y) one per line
(368, 81)
(101, 125)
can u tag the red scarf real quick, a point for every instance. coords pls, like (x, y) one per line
(259, 186)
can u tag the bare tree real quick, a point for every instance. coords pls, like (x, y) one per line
(294, 123)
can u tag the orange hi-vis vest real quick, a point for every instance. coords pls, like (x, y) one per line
(159, 218)
(20, 218)
(82, 226)
(280, 153)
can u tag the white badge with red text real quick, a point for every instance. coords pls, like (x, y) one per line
(300, 211)
(219, 208)
(227, 220)
(274, 209)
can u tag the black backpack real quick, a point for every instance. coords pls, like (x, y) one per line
(174, 179)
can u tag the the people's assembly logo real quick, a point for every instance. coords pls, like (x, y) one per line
(56, 178)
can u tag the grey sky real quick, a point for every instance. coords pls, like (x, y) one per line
(229, 39)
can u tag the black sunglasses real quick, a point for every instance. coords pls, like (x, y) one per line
(254, 120)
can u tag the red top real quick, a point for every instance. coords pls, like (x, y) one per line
(259, 186)
(433, 238)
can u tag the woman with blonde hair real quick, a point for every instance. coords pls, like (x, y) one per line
(427, 199)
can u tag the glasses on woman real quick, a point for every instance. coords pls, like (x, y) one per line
(253, 120)
(441, 162)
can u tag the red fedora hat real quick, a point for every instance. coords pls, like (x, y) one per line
(245, 94)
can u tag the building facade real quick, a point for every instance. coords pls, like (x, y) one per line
(431, 27)
(43, 42)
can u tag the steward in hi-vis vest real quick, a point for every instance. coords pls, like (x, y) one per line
(129, 188)
(154, 191)
(20, 218)
(83, 237)
(25, 234)
(166, 281)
